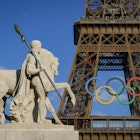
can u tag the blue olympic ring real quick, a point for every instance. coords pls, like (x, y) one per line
(86, 86)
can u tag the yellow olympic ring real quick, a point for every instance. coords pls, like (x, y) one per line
(101, 102)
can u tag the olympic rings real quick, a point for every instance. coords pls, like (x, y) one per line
(126, 103)
(86, 86)
(128, 83)
(115, 78)
(107, 87)
(120, 90)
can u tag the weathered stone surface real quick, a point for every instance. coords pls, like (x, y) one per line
(35, 131)
(41, 134)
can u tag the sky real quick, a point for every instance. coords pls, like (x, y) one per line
(51, 22)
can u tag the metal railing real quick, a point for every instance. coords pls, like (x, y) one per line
(104, 123)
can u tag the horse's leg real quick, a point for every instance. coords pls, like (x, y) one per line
(52, 111)
(66, 85)
(3, 91)
(2, 116)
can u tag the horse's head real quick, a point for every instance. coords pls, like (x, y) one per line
(54, 66)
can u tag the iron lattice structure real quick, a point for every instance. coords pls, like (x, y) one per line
(107, 39)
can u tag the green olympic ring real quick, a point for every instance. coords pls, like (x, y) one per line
(125, 103)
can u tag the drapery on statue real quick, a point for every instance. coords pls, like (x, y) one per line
(30, 93)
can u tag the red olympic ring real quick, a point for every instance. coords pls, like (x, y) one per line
(122, 102)
(128, 84)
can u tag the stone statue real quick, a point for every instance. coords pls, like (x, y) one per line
(30, 92)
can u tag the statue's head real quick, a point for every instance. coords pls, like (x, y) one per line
(36, 46)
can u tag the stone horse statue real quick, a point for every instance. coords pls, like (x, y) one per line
(8, 82)
(9, 85)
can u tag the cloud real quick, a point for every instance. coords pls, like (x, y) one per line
(100, 113)
(123, 97)
(105, 96)
(119, 76)
(26, 13)
(2, 67)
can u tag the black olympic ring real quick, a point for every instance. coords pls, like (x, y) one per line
(115, 78)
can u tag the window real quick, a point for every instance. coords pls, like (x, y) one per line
(99, 124)
(129, 124)
(117, 124)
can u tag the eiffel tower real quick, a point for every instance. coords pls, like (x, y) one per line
(107, 39)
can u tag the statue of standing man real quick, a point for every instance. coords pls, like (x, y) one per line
(31, 97)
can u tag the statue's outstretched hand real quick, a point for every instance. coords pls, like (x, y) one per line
(41, 67)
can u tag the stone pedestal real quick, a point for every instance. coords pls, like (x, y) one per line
(34, 131)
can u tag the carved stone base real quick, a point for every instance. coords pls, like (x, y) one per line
(34, 131)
